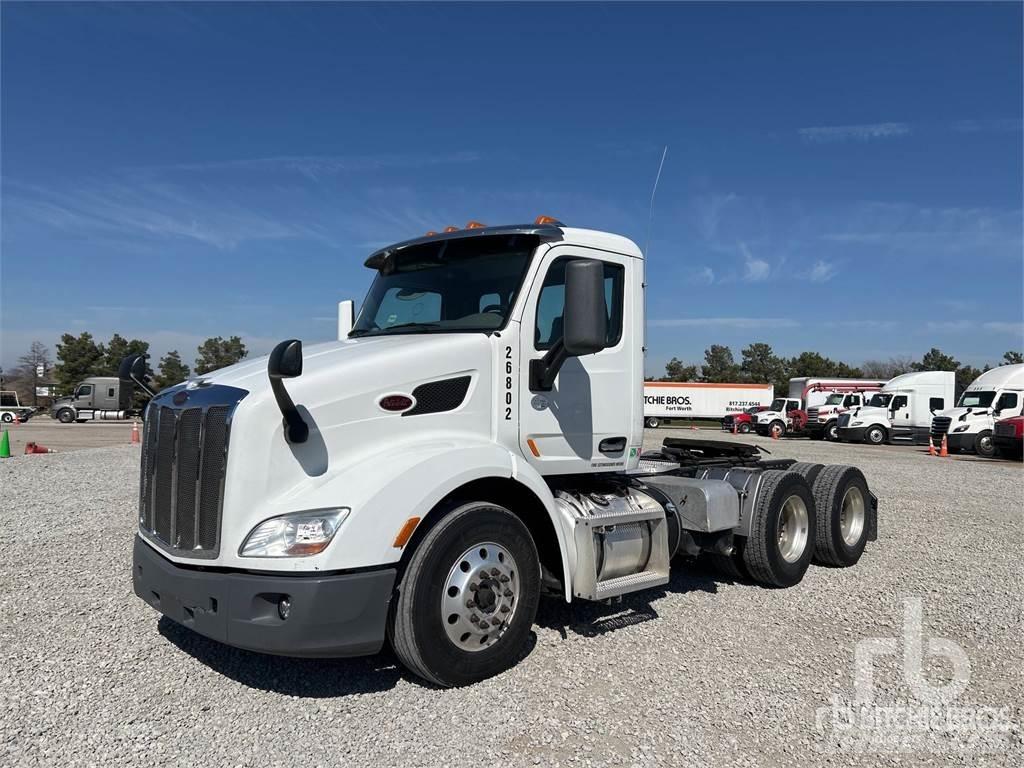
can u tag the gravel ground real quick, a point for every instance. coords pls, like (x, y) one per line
(703, 672)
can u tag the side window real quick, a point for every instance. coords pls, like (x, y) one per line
(936, 403)
(110, 391)
(400, 306)
(85, 390)
(791, 406)
(1007, 401)
(900, 401)
(551, 304)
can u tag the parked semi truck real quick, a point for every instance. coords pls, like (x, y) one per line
(668, 400)
(98, 398)
(996, 394)
(471, 442)
(792, 415)
(902, 411)
(1008, 438)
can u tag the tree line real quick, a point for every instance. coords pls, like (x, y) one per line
(759, 364)
(81, 356)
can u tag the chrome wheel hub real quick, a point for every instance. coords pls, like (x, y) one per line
(793, 520)
(480, 596)
(851, 517)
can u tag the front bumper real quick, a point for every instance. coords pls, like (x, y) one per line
(956, 441)
(851, 434)
(330, 616)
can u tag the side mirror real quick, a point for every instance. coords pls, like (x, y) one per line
(346, 318)
(585, 318)
(286, 363)
(133, 368)
(584, 322)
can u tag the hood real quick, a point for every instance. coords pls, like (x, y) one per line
(868, 412)
(970, 413)
(62, 400)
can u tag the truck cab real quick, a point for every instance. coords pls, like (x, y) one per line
(902, 411)
(996, 394)
(778, 416)
(97, 398)
(11, 408)
(823, 420)
(470, 442)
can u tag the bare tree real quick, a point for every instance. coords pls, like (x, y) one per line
(34, 368)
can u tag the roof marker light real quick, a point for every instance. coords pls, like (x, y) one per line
(431, 233)
(475, 225)
(541, 220)
(451, 229)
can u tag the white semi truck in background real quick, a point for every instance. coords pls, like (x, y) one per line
(471, 443)
(996, 394)
(902, 411)
(668, 400)
(792, 414)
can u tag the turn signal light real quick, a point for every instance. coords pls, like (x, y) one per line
(475, 225)
(547, 220)
(451, 229)
(405, 532)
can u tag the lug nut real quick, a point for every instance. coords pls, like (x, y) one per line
(474, 618)
(496, 621)
(505, 609)
(503, 579)
(473, 587)
(470, 604)
(507, 593)
(495, 572)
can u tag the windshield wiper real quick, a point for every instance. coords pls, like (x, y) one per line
(403, 326)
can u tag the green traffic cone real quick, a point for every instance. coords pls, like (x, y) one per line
(5, 446)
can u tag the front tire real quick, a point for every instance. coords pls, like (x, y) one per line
(843, 504)
(65, 416)
(984, 445)
(468, 598)
(779, 548)
(744, 428)
(8, 418)
(874, 435)
(652, 422)
(832, 432)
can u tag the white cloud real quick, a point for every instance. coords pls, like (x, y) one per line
(822, 271)
(1017, 329)
(955, 326)
(754, 270)
(725, 322)
(703, 276)
(317, 166)
(831, 134)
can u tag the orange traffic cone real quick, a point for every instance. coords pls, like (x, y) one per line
(36, 448)
(17, 421)
(135, 432)
(734, 427)
(775, 433)
(943, 450)
(931, 447)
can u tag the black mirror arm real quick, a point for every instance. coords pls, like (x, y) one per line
(295, 429)
(544, 370)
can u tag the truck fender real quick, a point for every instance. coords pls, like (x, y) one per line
(436, 469)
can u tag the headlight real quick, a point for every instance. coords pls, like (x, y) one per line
(294, 535)
(962, 428)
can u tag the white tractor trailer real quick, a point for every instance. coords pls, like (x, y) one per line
(471, 443)
(996, 394)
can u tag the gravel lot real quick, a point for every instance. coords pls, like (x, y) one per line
(704, 672)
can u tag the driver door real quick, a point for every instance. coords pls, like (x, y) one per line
(585, 423)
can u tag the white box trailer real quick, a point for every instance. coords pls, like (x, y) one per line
(667, 400)
(473, 442)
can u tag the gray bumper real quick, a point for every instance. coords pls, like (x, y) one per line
(339, 615)
(851, 434)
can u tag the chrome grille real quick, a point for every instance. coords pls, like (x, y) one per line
(940, 425)
(812, 414)
(184, 457)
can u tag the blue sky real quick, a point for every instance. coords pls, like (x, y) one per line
(841, 178)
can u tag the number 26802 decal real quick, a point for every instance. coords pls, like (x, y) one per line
(508, 383)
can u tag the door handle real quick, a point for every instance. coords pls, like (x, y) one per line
(612, 445)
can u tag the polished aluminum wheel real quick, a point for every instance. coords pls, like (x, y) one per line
(851, 517)
(793, 522)
(480, 596)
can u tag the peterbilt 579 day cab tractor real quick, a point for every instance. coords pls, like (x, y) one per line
(902, 411)
(471, 443)
(996, 394)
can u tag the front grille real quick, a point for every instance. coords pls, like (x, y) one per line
(812, 414)
(844, 420)
(940, 425)
(184, 457)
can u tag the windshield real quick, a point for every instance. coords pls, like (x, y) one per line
(754, 409)
(834, 399)
(977, 399)
(879, 400)
(465, 284)
(778, 404)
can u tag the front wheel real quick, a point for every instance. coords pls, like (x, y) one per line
(8, 418)
(652, 422)
(744, 428)
(984, 445)
(468, 597)
(875, 435)
(832, 432)
(65, 416)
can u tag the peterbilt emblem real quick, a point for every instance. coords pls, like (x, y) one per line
(180, 397)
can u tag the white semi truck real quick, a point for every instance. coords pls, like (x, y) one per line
(668, 400)
(996, 394)
(902, 411)
(471, 443)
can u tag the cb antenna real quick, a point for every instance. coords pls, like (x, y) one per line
(654, 191)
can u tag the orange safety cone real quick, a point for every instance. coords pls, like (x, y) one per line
(36, 448)
(17, 421)
(135, 432)
(943, 451)
(734, 427)
(931, 447)
(775, 433)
